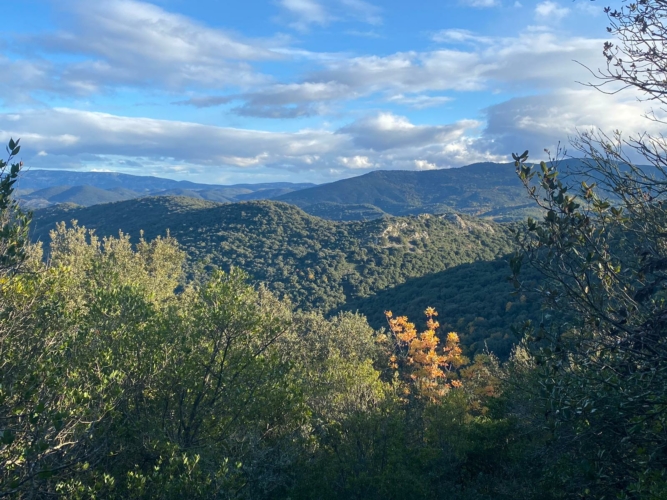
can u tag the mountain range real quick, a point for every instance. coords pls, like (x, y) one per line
(42, 188)
(386, 240)
(490, 190)
(487, 190)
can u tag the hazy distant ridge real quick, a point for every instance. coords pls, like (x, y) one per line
(42, 188)
(488, 190)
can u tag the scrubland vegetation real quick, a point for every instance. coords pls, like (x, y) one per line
(330, 266)
(129, 371)
(123, 379)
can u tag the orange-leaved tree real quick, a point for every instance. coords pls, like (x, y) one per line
(426, 366)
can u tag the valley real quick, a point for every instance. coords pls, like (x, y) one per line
(326, 265)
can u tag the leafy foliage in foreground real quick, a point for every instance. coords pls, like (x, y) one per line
(119, 381)
(121, 378)
(116, 386)
(13, 221)
(602, 368)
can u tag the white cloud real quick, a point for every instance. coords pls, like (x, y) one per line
(206, 101)
(459, 36)
(79, 139)
(317, 12)
(241, 161)
(128, 42)
(387, 131)
(18, 78)
(307, 12)
(539, 122)
(550, 11)
(356, 162)
(408, 71)
(420, 101)
(480, 3)
(294, 99)
(105, 134)
(281, 100)
(537, 59)
(425, 165)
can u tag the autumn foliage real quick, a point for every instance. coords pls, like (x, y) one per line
(420, 360)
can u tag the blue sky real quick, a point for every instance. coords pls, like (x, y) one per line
(298, 90)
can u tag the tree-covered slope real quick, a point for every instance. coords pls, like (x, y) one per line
(87, 196)
(317, 263)
(476, 189)
(474, 299)
(78, 195)
(488, 190)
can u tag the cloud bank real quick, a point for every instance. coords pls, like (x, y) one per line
(61, 137)
(297, 112)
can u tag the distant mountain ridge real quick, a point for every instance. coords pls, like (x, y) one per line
(40, 179)
(42, 188)
(479, 189)
(487, 190)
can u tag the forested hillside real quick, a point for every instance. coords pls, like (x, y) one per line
(486, 190)
(474, 299)
(319, 264)
(483, 189)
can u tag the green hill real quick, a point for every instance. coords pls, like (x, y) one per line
(344, 212)
(317, 263)
(49, 192)
(476, 189)
(264, 194)
(128, 194)
(488, 190)
(35, 179)
(219, 195)
(78, 195)
(87, 196)
(190, 193)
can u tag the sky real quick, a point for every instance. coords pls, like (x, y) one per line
(224, 92)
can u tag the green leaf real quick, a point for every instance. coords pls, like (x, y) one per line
(7, 437)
